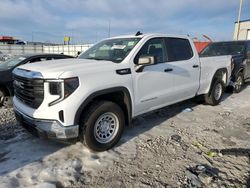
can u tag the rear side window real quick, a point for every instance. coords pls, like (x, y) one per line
(178, 49)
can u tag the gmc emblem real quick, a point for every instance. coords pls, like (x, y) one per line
(19, 84)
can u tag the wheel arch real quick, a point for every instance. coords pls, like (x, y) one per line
(242, 69)
(6, 89)
(119, 95)
(219, 74)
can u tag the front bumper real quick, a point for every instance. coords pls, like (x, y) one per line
(47, 128)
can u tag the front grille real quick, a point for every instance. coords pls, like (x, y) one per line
(29, 91)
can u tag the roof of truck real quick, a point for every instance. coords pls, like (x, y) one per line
(150, 35)
(232, 41)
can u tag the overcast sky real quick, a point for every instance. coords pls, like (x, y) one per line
(88, 20)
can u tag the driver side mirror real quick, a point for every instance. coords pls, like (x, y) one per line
(146, 60)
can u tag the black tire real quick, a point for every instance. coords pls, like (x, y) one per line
(90, 125)
(214, 97)
(2, 96)
(239, 82)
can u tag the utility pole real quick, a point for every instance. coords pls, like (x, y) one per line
(238, 32)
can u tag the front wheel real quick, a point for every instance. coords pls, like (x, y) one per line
(215, 95)
(103, 125)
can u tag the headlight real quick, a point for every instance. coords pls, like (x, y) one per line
(70, 85)
(55, 88)
(62, 88)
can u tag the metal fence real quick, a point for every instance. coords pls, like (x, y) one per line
(20, 49)
(72, 50)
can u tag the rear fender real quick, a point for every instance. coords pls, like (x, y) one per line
(221, 74)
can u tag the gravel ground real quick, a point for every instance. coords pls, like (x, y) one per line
(8, 125)
(203, 146)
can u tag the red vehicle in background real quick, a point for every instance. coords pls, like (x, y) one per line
(200, 45)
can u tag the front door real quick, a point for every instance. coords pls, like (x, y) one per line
(153, 84)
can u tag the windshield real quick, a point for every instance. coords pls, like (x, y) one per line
(218, 49)
(10, 63)
(114, 50)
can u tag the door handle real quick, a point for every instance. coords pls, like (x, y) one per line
(195, 66)
(168, 70)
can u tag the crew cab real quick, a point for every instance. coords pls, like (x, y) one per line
(6, 68)
(93, 98)
(240, 52)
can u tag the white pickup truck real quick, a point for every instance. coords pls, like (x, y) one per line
(93, 98)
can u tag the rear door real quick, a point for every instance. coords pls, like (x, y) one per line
(185, 67)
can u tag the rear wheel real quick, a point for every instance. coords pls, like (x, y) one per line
(216, 92)
(239, 82)
(103, 125)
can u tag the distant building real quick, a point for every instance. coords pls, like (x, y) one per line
(244, 30)
(7, 40)
(10, 40)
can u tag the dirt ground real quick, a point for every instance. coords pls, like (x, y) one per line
(202, 146)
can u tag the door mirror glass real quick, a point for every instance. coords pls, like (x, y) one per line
(146, 60)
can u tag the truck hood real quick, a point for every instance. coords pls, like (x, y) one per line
(68, 67)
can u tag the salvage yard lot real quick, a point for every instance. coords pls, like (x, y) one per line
(156, 151)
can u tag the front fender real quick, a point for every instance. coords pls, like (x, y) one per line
(87, 101)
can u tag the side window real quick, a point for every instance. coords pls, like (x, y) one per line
(49, 58)
(59, 57)
(153, 47)
(37, 59)
(178, 49)
(43, 59)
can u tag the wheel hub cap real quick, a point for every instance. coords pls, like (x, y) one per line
(106, 127)
(238, 83)
(218, 91)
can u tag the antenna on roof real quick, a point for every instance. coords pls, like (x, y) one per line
(138, 33)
